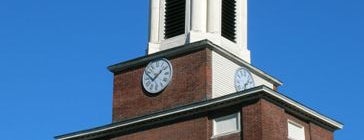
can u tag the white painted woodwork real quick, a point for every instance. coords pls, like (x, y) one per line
(226, 124)
(154, 21)
(223, 72)
(203, 21)
(214, 16)
(295, 131)
(199, 17)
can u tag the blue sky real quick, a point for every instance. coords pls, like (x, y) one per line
(54, 54)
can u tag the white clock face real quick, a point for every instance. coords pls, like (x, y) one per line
(157, 75)
(243, 79)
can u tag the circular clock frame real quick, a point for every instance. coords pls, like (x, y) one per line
(155, 82)
(238, 83)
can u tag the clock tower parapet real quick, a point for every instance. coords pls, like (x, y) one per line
(175, 23)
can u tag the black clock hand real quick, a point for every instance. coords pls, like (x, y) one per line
(248, 82)
(149, 76)
(158, 74)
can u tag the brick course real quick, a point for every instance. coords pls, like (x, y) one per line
(263, 120)
(274, 122)
(252, 122)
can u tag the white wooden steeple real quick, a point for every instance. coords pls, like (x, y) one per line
(174, 23)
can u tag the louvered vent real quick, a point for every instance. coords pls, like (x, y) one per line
(228, 19)
(174, 18)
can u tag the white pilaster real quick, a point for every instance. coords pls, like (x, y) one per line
(242, 28)
(154, 26)
(154, 21)
(198, 11)
(214, 16)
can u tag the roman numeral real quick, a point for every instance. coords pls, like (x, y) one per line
(165, 79)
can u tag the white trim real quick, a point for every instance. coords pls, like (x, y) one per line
(162, 11)
(238, 121)
(188, 17)
(225, 134)
(297, 125)
(172, 42)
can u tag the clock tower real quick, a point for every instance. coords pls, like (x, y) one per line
(196, 82)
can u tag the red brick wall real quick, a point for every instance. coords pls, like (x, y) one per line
(318, 133)
(264, 121)
(195, 129)
(252, 122)
(261, 120)
(191, 82)
(274, 122)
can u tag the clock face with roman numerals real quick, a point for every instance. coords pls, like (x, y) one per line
(157, 75)
(243, 79)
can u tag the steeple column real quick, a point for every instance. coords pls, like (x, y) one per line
(214, 16)
(154, 21)
(242, 28)
(176, 23)
(154, 26)
(199, 15)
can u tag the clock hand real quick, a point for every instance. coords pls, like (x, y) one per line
(153, 69)
(148, 72)
(158, 74)
(248, 82)
(155, 73)
(149, 76)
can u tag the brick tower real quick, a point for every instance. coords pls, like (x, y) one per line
(196, 83)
